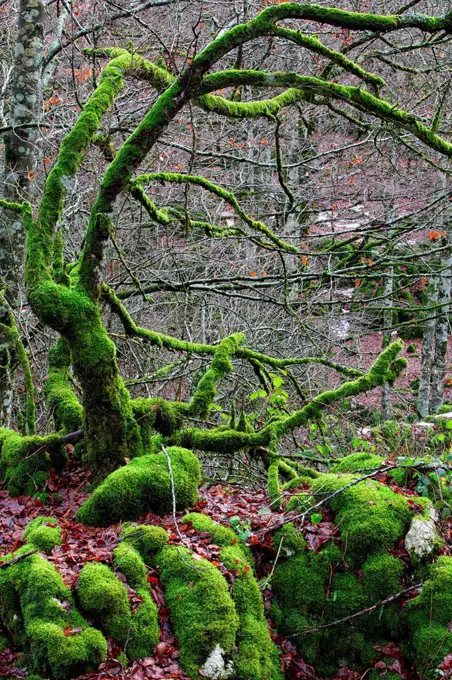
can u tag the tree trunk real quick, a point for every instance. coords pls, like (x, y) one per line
(387, 323)
(20, 158)
(423, 401)
(111, 431)
(442, 330)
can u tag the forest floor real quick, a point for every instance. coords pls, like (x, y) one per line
(221, 502)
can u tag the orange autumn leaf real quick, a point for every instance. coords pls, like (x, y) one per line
(30, 174)
(433, 235)
(423, 281)
(304, 259)
(253, 274)
(357, 283)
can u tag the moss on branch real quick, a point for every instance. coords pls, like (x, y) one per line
(355, 96)
(60, 396)
(165, 341)
(386, 368)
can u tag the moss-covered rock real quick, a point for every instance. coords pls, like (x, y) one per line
(202, 610)
(429, 617)
(39, 615)
(257, 656)
(142, 485)
(42, 533)
(361, 460)
(102, 595)
(313, 589)
(371, 517)
(25, 461)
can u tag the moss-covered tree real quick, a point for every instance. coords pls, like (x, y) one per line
(155, 436)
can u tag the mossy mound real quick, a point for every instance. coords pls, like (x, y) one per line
(429, 617)
(38, 613)
(371, 517)
(25, 461)
(42, 533)
(355, 462)
(357, 571)
(314, 589)
(257, 656)
(144, 485)
(102, 595)
(202, 610)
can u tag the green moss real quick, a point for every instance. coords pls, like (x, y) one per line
(25, 461)
(358, 461)
(129, 561)
(148, 540)
(221, 535)
(60, 397)
(371, 517)
(42, 533)
(396, 434)
(382, 577)
(257, 655)
(273, 486)
(136, 546)
(142, 485)
(290, 540)
(38, 612)
(202, 611)
(102, 595)
(298, 586)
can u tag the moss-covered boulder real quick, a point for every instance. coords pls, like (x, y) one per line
(202, 610)
(144, 485)
(38, 613)
(429, 617)
(43, 533)
(355, 570)
(104, 597)
(371, 517)
(26, 461)
(257, 655)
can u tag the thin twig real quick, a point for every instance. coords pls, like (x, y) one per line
(3, 565)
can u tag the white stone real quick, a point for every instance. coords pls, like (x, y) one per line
(420, 539)
(215, 668)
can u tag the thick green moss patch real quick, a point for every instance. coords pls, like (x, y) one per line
(361, 460)
(313, 589)
(429, 617)
(202, 610)
(38, 613)
(102, 595)
(25, 461)
(370, 516)
(142, 485)
(43, 533)
(257, 656)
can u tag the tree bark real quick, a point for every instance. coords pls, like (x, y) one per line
(442, 328)
(387, 322)
(423, 402)
(20, 159)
